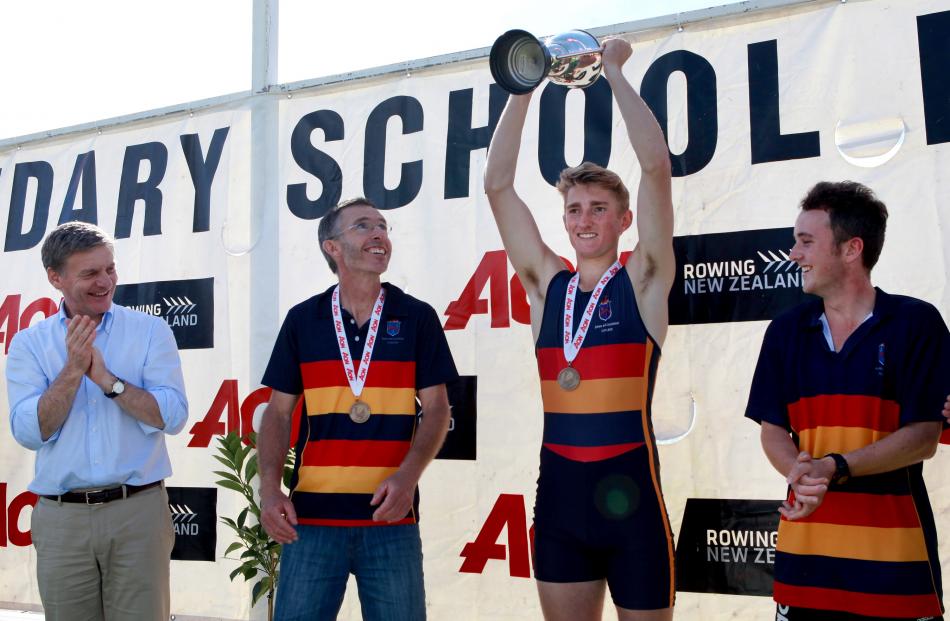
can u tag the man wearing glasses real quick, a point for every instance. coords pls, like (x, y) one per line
(359, 353)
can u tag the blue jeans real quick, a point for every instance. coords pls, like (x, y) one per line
(386, 560)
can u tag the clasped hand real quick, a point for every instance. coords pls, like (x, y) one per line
(809, 479)
(82, 356)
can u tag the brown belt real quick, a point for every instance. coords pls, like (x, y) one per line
(102, 496)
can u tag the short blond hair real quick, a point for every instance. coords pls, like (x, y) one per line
(589, 173)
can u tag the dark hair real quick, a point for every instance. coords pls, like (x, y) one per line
(328, 229)
(592, 174)
(854, 211)
(69, 238)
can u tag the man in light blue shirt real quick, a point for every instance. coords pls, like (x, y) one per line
(93, 390)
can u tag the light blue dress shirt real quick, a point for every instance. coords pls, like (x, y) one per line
(98, 444)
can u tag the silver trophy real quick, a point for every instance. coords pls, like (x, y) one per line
(519, 61)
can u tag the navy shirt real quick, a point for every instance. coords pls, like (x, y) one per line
(871, 546)
(340, 462)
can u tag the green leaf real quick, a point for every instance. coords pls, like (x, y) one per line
(235, 573)
(227, 475)
(249, 571)
(228, 463)
(250, 470)
(242, 518)
(232, 485)
(241, 456)
(231, 548)
(263, 587)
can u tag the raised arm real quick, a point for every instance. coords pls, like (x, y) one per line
(653, 266)
(535, 263)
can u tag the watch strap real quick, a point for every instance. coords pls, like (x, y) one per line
(112, 394)
(842, 470)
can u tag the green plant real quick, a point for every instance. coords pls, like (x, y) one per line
(261, 554)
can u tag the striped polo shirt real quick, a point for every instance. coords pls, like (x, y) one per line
(871, 546)
(609, 412)
(340, 463)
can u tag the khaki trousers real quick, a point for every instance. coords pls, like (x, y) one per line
(105, 562)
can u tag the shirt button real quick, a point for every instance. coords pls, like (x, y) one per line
(352, 320)
(357, 337)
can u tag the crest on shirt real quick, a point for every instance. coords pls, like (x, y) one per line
(392, 327)
(604, 311)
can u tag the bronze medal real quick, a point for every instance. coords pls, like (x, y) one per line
(359, 412)
(569, 379)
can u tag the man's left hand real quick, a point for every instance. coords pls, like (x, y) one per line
(616, 52)
(394, 497)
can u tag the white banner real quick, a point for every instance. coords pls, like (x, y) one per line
(757, 107)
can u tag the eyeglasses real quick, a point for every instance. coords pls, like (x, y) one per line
(366, 227)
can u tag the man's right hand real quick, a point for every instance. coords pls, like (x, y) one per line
(278, 516)
(80, 336)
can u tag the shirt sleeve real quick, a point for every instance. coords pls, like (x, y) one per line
(283, 369)
(766, 397)
(162, 378)
(923, 376)
(26, 383)
(434, 363)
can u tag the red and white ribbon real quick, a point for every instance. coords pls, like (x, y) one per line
(356, 378)
(573, 342)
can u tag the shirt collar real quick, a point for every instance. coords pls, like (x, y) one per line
(105, 325)
(395, 302)
(884, 305)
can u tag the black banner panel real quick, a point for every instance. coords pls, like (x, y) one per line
(461, 439)
(195, 517)
(740, 276)
(187, 306)
(727, 546)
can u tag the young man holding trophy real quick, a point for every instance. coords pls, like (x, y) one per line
(600, 517)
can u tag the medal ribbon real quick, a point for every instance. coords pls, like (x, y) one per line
(572, 343)
(357, 379)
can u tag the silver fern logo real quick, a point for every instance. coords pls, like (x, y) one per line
(776, 262)
(180, 311)
(734, 275)
(183, 519)
(179, 305)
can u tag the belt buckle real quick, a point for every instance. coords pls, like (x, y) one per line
(96, 497)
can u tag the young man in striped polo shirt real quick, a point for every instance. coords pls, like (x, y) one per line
(848, 390)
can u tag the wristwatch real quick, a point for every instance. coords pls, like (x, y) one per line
(842, 471)
(118, 387)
